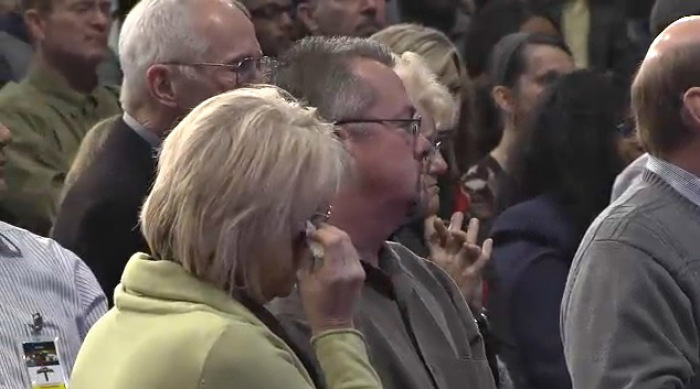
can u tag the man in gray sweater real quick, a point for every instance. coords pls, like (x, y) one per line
(631, 309)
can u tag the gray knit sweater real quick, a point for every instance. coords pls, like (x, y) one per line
(631, 308)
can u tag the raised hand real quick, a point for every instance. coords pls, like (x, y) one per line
(457, 252)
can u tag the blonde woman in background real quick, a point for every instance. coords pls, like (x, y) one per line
(443, 60)
(242, 190)
(439, 111)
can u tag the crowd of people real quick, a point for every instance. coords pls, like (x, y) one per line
(349, 194)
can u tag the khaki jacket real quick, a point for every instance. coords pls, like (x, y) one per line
(48, 121)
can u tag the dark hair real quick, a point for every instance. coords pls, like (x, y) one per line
(317, 70)
(570, 148)
(657, 99)
(507, 63)
(495, 20)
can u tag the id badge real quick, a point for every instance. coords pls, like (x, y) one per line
(44, 367)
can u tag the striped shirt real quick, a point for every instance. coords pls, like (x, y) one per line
(684, 182)
(37, 275)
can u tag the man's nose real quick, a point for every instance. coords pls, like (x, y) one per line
(437, 166)
(285, 22)
(101, 19)
(370, 6)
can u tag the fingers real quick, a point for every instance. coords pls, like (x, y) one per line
(473, 231)
(487, 249)
(482, 258)
(456, 221)
(431, 233)
(442, 233)
(331, 244)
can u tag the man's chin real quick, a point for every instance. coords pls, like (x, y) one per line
(418, 209)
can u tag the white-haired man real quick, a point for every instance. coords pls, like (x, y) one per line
(418, 327)
(175, 54)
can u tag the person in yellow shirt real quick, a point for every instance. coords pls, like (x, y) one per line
(52, 108)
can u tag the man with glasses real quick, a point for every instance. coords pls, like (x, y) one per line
(274, 24)
(175, 54)
(419, 330)
(56, 103)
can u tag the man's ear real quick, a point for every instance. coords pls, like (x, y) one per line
(159, 79)
(36, 24)
(305, 12)
(503, 97)
(691, 103)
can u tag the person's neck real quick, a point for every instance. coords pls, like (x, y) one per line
(687, 158)
(80, 76)
(509, 142)
(158, 121)
(368, 223)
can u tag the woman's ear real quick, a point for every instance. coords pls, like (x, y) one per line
(503, 97)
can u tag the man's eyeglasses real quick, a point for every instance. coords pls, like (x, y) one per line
(412, 126)
(247, 70)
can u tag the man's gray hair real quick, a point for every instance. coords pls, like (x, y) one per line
(158, 31)
(318, 70)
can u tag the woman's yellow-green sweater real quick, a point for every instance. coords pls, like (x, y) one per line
(169, 330)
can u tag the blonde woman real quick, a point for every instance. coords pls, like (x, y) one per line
(431, 237)
(242, 191)
(439, 112)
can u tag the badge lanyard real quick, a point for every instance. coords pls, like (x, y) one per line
(40, 357)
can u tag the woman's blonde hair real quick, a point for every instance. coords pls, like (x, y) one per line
(424, 90)
(236, 180)
(433, 46)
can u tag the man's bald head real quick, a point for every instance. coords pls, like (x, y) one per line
(666, 91)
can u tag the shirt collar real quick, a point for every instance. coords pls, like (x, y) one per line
(148, 136)
(684, 182)
(52, 83)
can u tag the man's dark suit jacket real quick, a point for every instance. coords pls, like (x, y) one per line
(98, 219)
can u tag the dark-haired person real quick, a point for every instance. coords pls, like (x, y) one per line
(522, 66)
(666, 12)
(632, 300)
(494, 21)
(355, 18)
(563, 172)
(274, 24)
